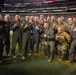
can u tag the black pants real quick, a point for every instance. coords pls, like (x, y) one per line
(72, 50)
(7, 45)
(1, 48)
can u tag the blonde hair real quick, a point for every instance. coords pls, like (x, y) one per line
(7, 15)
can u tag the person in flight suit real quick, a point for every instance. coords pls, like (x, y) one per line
(41, 22)
(63, 38)
(49, 36)
(52, 22)
(36, 34)
(72, 31)
(60, 23)
(48, 18)
(7, 34)
(31, 22)
(16, 27)
(26, 36)
(41, 17)
(2, 27)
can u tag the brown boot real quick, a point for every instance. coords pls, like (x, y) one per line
(19, 54)
(46, 57)
(23, 58)
(59, 59)
(29, 54)
(49, 60)
(35, 54)
(68, 61)
(14, 57)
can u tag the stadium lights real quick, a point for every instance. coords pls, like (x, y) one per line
(46, 2)
(57, 10)
(33, 11)
(72, 8)
(44, 11)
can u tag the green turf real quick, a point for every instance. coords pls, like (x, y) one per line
(36, 65)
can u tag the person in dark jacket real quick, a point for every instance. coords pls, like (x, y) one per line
(2, 26)
(7, 34)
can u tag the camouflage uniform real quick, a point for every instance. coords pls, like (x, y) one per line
(62, 38)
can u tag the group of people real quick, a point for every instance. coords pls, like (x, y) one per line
(54, 36)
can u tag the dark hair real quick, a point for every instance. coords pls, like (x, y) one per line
(47, 22)
(70, 17)
(17, 13)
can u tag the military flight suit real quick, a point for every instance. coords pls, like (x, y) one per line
(53, 24)
(72, 51)
(36, 37)
(26, 36)
(31, 31)
(17, 36)
(41, 38)
(50, 39)
(63, 39)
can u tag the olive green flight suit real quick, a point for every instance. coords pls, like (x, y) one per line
(50, 39)
(26, 36)
(16, 36)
